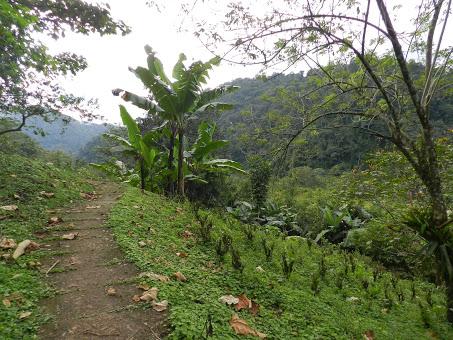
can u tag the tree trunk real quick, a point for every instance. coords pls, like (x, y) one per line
(142, 174)
(171, 158)
(181, 163)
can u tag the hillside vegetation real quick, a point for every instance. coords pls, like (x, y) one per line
(34, 182)
(327, 293)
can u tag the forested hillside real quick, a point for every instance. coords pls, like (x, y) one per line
(64, 134)
(267, 109)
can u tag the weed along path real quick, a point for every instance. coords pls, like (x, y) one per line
(94, 283)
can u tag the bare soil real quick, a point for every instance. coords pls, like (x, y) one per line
(88, 266)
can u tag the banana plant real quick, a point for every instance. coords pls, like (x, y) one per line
(199, 157)
(137, 146)
(177, 100)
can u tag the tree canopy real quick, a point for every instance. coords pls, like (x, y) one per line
(28, 71)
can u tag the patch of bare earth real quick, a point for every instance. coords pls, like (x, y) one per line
(94, 282)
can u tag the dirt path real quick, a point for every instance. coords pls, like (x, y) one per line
(90, 265)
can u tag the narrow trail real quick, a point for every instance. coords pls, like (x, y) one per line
(85, 269)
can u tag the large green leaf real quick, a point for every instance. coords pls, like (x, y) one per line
(132, 127)
(216, 106)
(119, 140)
(224, 163)
(155, 66)
(179, 69)
(162, 92)
(210, 95)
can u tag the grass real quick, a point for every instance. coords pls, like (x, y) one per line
(328, 293)
(21, 287)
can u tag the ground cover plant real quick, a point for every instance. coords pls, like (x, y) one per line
(32, 188)
(299, 289)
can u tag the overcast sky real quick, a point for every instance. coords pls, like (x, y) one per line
(110, 56)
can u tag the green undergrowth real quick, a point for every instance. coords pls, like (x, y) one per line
(22, 181)
(330, 294)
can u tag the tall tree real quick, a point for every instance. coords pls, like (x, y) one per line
(176, 101)
(28, 72)
(384, 85)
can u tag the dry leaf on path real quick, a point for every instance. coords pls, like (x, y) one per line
(92, 207)
(255, 309)
(73, 260)
(180, 277)
(368, 335)
(54, 220)
(6, 303)
(11, 207)
(229, 299)
(90, 196)
(143, 286)
(47, 194)
(150, 295)
(24, 315)
(182, 254)
(7, 243)
(136, 298)
(160, 306)
(111, 291)
(156, 277)
(20, 250)
(244, 302)
(241, 327)
(70, 236)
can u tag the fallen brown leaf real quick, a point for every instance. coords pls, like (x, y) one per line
(54, 220)
(241, 327)
(11, 207)
(180, 277)
(70, 236)
(229, 299)
(143, 286)
(255, 309)
(182, 254)
(6, 303)
(368, 335)
(47, 194)
(24, 315)
(20, 250)
(7, 243)
(111, 291)
(90, 196)
(243, 303)
(136, 298)
(73, 261)
(33, 246)
(160, 306)
(150, 295)
(156, 277)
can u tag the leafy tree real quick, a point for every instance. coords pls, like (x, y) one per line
(177, 101)
(28, 71)
(260, 174)
(138, 146)
(199, 157)
(384, 82)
